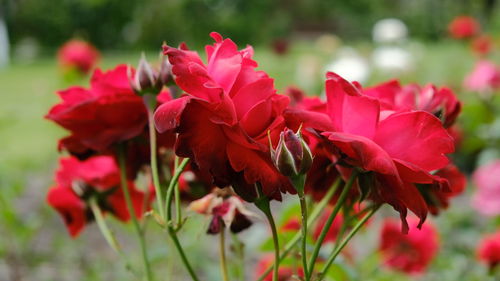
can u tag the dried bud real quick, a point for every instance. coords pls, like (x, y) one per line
(145, 80)
(292, 156)
(225, 210)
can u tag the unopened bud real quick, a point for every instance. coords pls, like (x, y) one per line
(292, 156)
(145, 80)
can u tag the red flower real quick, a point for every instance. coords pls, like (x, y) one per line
(463, 27)
(411, 252)
(437, 198)
(107, 113)
(292, 224)
(489, 249)
(482, 45)
(78, 181)
(224, 118)
(285, 272)
(486, 200)
(398, 151)
(396, 98)
(79, 55)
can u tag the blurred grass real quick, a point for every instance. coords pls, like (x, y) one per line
(34, 240)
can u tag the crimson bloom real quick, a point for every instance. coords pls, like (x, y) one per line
(394, 97)
(437, 198)
(398, 151)
(486, 200)
(224, 117)
(107, 113)
(412, 252)
(489, 250)
(463, 27)
(78, 55)
(98, 178)
(482, 45)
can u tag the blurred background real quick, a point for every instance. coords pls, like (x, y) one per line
(296, 42)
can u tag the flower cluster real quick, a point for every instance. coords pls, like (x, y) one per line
(351, 153)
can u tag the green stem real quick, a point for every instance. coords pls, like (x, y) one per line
(171, 230)
(171, 187)
(131, 210)
(150, 102)
(263, 205)
(240, 253)
(345, 224)
(222, 250)
(108, 234)
(328, 224)
(312, 218)
(303, 210)
(177, 199)
(351, 234)
(103, 227)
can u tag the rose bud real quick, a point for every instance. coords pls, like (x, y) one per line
(292, 156)
(145, 80)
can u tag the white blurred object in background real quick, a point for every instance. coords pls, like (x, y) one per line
(392, 59)
(390, 55)
(4, 44)
(389, 31)
(350, 65)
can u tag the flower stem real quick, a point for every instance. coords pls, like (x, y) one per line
(150, 102)
(262, 203)
(222, 249)
(103, 227)
(177, 199)
(170, 227)
(312, 218)
(338, 248)
(108, 234)
(131, 210)
(328, 224)
(299, 186)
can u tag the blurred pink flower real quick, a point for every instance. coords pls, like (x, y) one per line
(485, 77)
(487, 180)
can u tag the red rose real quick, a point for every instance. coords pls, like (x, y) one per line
(79, 55)
(463, 27)
(489, 249)
(224, 118)
(78, 181)
(482, 45)
(398, 150)
(107, 113)
(437, 198)
(396, 98)
(411, 252)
